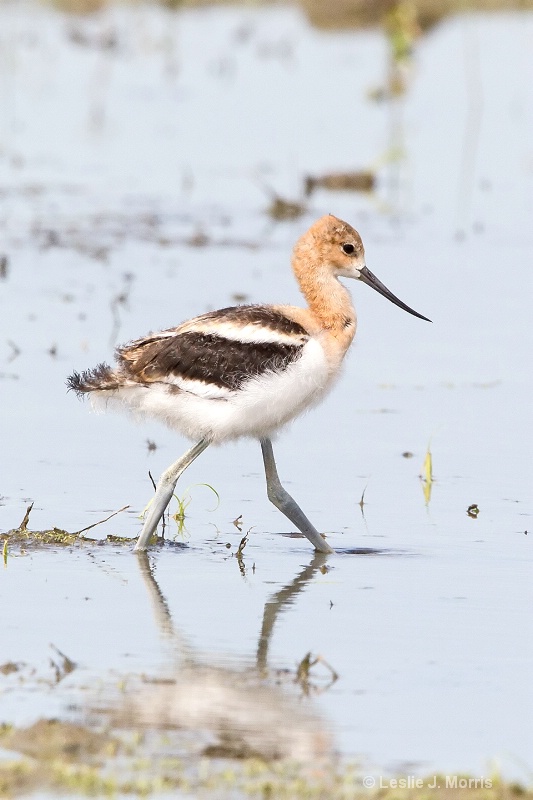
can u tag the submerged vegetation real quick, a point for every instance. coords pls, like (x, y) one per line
(359, 13)
(62, 757)
(427, 475)
(343, 13)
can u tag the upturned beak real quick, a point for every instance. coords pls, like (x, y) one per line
(370, 279)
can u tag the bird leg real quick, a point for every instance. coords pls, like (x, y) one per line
(165, 490)
(285, 503)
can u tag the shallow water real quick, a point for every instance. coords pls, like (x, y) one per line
(116, 160)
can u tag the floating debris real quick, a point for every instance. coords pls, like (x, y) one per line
(358, 181)
(242, 544)
(198, 239)
(24, 524)
(62, 668)
(280, 209)
(473, 511)
(303, 673)
(240, 551)
(9, 667)
(362, 501)
(56, 536)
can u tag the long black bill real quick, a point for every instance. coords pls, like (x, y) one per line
(370, 279)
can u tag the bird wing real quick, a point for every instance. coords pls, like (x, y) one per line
(214, 354)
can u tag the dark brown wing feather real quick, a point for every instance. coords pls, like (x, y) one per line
(211, 357)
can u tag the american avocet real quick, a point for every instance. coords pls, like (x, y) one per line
(245, 370)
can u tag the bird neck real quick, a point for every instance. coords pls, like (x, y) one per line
(329, 301)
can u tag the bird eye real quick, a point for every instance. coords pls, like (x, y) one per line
(348, 249)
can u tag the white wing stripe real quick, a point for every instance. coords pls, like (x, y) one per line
(249, 334)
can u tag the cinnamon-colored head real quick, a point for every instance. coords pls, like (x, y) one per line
(332, 247)
(332, 244)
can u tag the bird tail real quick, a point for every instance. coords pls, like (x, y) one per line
(101, 378)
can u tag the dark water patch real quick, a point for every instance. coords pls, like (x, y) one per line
(370, 551)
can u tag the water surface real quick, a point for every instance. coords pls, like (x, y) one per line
(135, 179)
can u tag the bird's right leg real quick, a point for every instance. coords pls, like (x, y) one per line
(286, 504)
(165, 490)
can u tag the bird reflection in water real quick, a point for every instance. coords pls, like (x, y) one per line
(233, 713)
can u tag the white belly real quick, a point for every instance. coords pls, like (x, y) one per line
(259, 408)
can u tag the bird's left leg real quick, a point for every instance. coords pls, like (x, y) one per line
(286, 504)
(165, 490)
